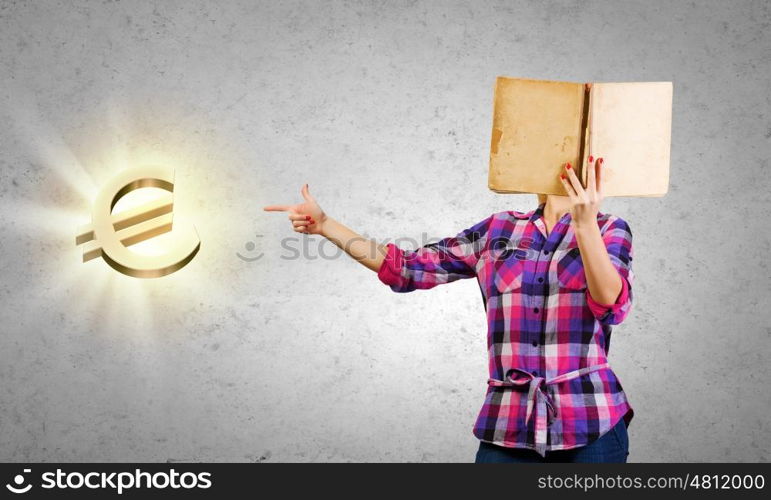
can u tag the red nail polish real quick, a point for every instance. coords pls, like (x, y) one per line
(313, 221)
(568, 165)
(307, 217)
(591, 158)
(599, 160)
(562, 176)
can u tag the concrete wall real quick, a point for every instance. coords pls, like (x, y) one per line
(384, 108)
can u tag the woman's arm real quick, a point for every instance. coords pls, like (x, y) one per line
(602, 279)
(604, 282)
(309, 218)
(444, 261)
(368, 252)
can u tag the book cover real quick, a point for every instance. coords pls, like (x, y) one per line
(539, 125)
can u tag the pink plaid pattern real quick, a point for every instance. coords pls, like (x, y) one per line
(550, 384)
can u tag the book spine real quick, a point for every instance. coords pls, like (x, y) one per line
(584, 141)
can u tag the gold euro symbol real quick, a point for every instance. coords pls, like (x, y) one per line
(109, 234)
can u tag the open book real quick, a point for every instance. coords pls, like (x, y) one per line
(539, 125)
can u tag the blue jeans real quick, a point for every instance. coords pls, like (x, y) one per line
(611, 447)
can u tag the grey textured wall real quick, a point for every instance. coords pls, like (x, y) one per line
(384, 108)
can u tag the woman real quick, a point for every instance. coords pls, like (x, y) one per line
(553, 281)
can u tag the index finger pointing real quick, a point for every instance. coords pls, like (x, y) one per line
(277, 208)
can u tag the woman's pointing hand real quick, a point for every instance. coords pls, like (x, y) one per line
(306, 217)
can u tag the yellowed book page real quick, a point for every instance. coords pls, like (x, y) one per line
(630, 127)
(536, 129)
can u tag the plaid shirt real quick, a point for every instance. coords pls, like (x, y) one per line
(550, 385)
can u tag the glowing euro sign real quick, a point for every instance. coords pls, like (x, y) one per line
(109, 234)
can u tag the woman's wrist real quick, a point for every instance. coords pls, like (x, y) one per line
(324, 225)
(586, 229)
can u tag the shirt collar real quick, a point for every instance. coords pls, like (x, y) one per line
(537, 213)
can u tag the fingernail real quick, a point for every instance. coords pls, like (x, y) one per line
(562, 176)
(568, 165)
(591, 158)
(307, 217)
(599, 160)
(313, 221)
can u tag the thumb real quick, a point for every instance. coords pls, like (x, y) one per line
(306, 194)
